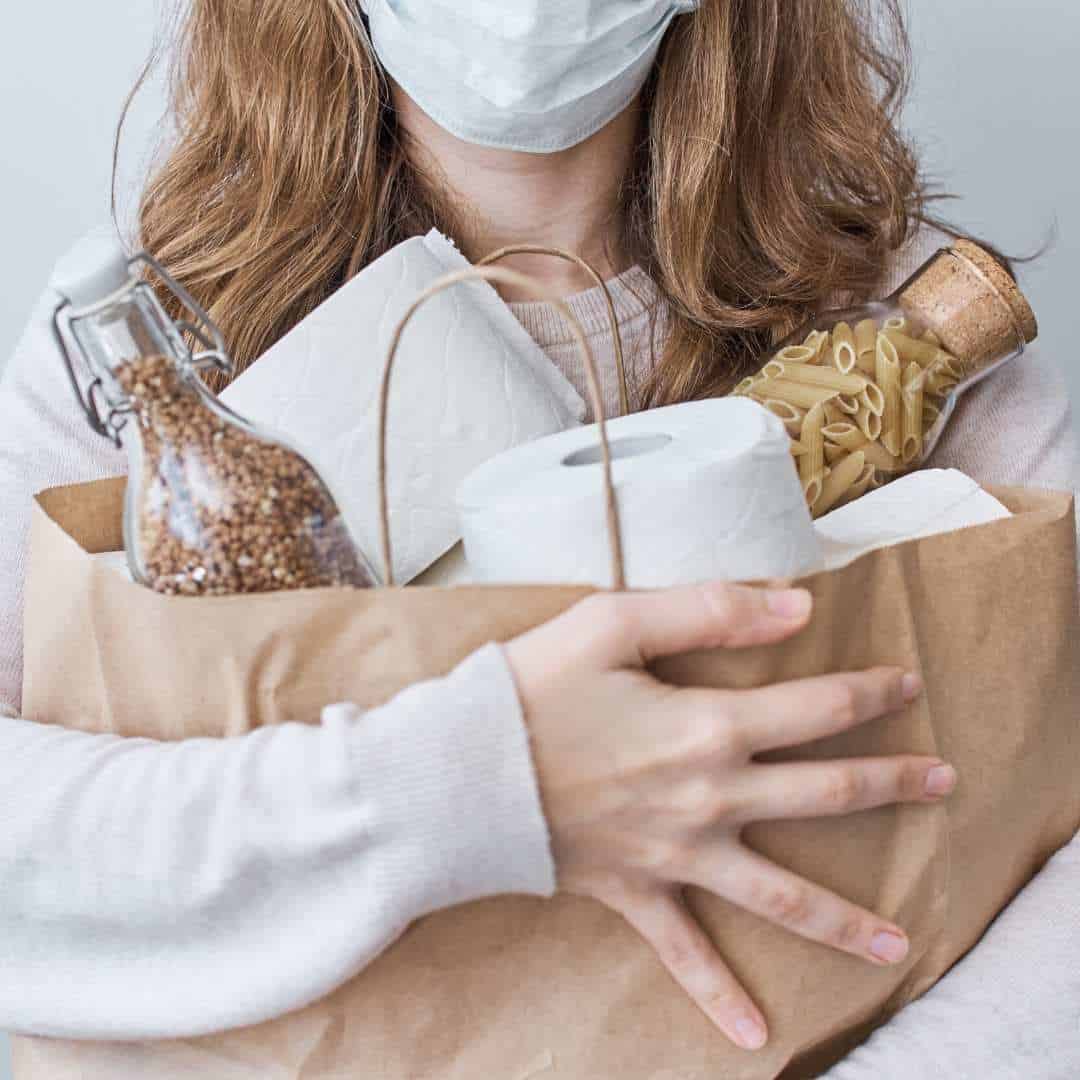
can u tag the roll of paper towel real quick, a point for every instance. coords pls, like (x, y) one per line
(469, 383)
(706, 491)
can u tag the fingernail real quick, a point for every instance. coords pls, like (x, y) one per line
(940, 780)
(750, 1034)
(789, 603)
(912, 686)
(888, 947)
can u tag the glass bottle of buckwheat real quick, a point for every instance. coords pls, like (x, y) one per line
(214, 506)
(866, 393)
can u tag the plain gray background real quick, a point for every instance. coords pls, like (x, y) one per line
(996, 99)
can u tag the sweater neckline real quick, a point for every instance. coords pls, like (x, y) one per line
(633, 293)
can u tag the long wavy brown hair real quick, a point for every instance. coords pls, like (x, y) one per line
(770, 175)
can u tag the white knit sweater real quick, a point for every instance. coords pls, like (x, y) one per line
(358, 828)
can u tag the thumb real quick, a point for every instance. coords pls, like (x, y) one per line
(686, 619)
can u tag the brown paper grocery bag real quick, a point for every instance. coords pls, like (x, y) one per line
(515, 988)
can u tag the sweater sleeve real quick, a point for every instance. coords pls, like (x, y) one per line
(140, 883)
(154, 891)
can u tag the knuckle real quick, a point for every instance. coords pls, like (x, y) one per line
(665, 859)
(788, 905)
(728, 612)
(711, 726)
(709, 806)
(726, 736)
(696, 801)
(682, 957)
(844, 704)
(846, 934)
(844, 789)
(723, 1003)
(611, 888)
(606, 616)
(722, 607)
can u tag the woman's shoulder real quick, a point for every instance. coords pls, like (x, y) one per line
(37, 400)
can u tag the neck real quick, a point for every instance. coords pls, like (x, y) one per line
(569, 199)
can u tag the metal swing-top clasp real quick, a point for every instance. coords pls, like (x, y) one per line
(113, 315)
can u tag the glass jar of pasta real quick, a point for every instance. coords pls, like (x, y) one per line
(866, 393)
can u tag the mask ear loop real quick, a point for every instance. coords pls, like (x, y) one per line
(569, 256)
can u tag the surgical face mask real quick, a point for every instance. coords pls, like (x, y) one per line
(533, 75)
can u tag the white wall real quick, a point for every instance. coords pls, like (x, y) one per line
(64, 73)
(996, 108)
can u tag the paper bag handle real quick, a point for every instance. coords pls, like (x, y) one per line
(613, 318)
(502, 276)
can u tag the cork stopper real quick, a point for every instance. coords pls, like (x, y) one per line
(973, 305)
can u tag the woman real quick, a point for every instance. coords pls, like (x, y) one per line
(730, 166)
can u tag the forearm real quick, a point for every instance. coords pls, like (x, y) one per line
(158, 891)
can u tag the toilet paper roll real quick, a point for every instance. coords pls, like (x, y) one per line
(912, 507)
(469, 383)
(706, 491)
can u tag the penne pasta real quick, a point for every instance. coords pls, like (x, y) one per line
(812, 463)
(796, 354)
(844, 353)
(909, 350)
(861, 485)
(865, 343)
(868, 422)
(840, 481)
(873, 399)
(845, 434)
(791, 415)
(878, 456)
(796, 393)
(858, 402)
(947, 364)
(833, 415)
(939, 383)
(888, 381)
(829, 377)
(912, 390)
(818, 341)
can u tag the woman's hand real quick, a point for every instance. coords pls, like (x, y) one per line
(647, 787)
